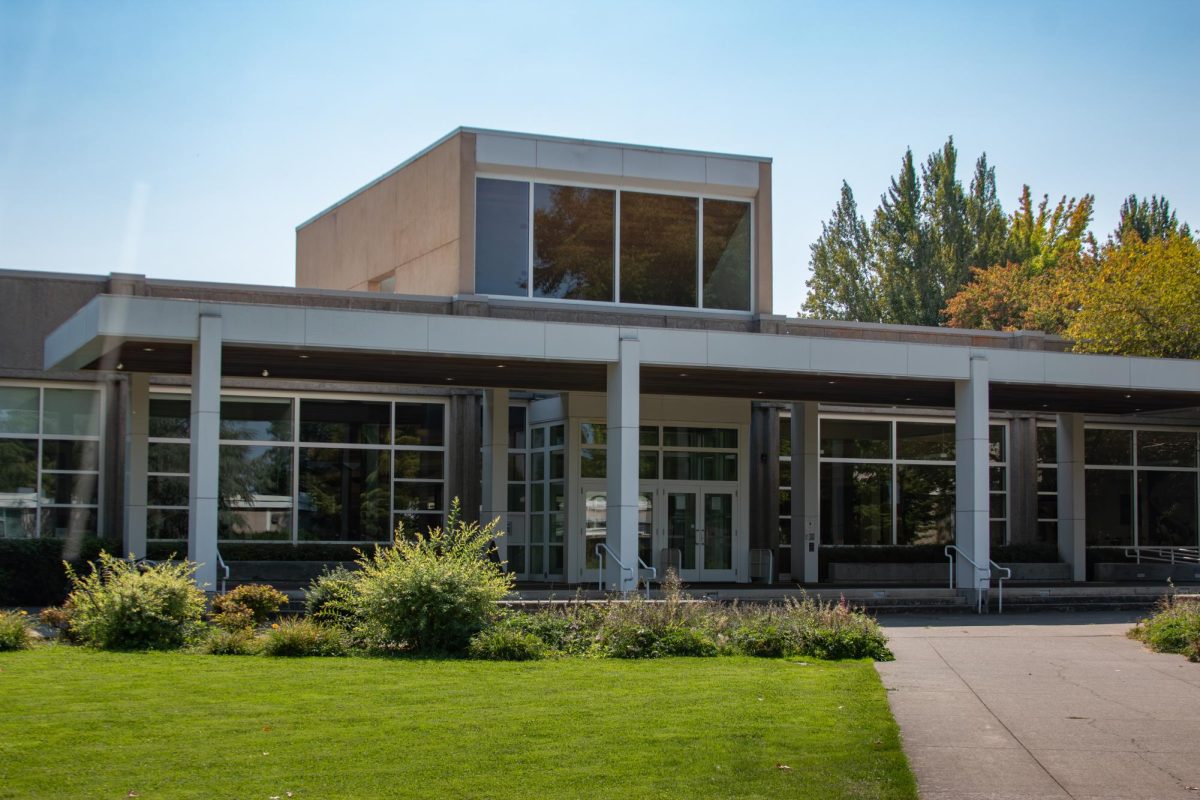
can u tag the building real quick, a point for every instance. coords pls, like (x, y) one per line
(578, 338)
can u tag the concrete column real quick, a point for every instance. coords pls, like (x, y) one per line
(203, 497)
(806, 495)
(137, 454)
(1072, 517)
(624, 419)
(971, 530)
(495, 464)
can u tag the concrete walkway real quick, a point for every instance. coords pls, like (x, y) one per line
(1042, 706)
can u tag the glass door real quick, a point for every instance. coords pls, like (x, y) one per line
(699, 541)
(595, 527)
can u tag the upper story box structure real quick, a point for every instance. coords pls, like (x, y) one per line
(553, 220)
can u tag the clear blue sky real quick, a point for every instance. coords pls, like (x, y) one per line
(187, 139)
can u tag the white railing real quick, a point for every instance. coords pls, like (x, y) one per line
(221, 565)
(983, 577)
(1164, 555)
(646, 568)
(601, 549)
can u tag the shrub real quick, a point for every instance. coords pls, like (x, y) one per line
(836, 631)
(253, 602)
(765, 636)
(126, 606)
(1173, 628)
(303, 637)
(332, 598)
(15, 633)
(432, 591)
(58, 619)
(569, 629)
(236, 642)
(501, 643)
(625, 638)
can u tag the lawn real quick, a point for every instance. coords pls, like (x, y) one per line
(81, 724)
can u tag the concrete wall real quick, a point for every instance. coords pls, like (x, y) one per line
(408, 224)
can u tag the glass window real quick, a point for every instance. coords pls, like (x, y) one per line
(501, 237)
(997, 451)
(1047, 445)
(727, 255)
(267, 419)
(573, 242)
(925, 504)
(18, 471)
(343, 494)
(853, 438)
(1109, 507)
(648, 465)
(167, 457)
(165, 523)
(167, 490)
(1166, 449)
(72, 412)
(343, 422)
(648, 435)
(516, 427)
(70, 454)
(255, 485)
(593, 433)
(723, 438)
(420, 424)
(856, 503)
(430, 464)
(170, 417)
(593, 462)
(1166, 508)
(689, 466)
(925, 441)
(70, 488)
(659, 241)
(18, 409)
(1105, 446)
(419, 497)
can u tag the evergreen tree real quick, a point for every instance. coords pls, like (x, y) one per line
(985, 218)
(901, 252)
(1148, 220)
(944, 219)
(842, 285)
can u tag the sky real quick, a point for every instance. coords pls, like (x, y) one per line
(188, 139)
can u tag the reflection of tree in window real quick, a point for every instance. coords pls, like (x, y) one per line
(925, 504)
(573, 242)
(658, 249)
(727, 255)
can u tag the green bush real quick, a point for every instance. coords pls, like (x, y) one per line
(502, 643)
(765, 636)
(624, 638)
(1173, 628)
(432, 591)
(32, 573)
(58, 619)
(303, 637)
(15, 633)
(332, 598)
(569, 629)
(252, 602)
(235, 642)
(126, 606)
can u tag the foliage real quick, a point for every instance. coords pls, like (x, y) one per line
(842, 285)
(120, 605)
(31, 570)
(259, 600)
(303, 637)
(332, 598)
(505, 643)
(623, 637)
(1148, 219)
(568, 629)
(15, 633)
(1144, 300)
(432, 591)
(58, 619)
(1173, 628)
(230, 642)
(764, 635)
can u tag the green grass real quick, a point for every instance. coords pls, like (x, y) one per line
(81, 724)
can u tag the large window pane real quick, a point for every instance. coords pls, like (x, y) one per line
(1109, 507)
(573, 247)
(343, 495)
(166, 490)
(996, 443)
(427, 464)
(70, 488)
(727, 255)
(18, 409)
(71, 454)
(62, 522)
(856, 503)
(72, 412)
(1166, 449)
(925, 505)
(1105, 447)
(1047, 445)
(170, 417)
(167, 457)
(1167, 508)
(343, 422)
(167, 524)
(658, 249)
(925, 441)
(419, 497)
(257, 419)
(420, 424)
(685, 466)
(852, 438)
(18, 472)
(501, 237)
(255, 485)
(18, 521)
(723, 438)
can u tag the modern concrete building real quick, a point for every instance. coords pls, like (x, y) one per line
(578, 338)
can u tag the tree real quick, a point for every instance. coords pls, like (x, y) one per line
(985, 218)
(1148, 219)
(946, 228)
(842, 285)
(1039, 240)
(1143, 300)
(901, 253)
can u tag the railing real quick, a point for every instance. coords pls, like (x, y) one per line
(1164, 555)
(601, 549)
(1000, 585)
(757, 556)
(653, 574)
(983, 577)
(221, 565)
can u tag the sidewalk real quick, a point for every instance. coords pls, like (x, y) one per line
(1042, 706)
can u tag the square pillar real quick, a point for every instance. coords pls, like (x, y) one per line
(972, 533)
(495, 465)
(1072, 517)
(806, 496)
(624, 420)
(137, 455)
(203, 495)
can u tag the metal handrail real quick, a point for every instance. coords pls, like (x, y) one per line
(653, 574)
(225, 568)
(1164, 555)
(601, 549)
(980, 572)
(1000, 585)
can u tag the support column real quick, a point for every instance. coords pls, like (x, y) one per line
(806, 497)
(624, 419)
(1072, 517)
(495, 464)
(137, 454)
(205, 451)
(971, 529)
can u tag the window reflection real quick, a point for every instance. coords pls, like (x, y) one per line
(727, 255)
(573, 242)
(659, 236)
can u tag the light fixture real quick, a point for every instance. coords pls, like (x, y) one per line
(1128, 397)
(120, 365)
(266, 373)
(499, 366)
(908, 399)
(302, 355)
(449, 379)
(831, 383)
(148, 349)
(683, 374)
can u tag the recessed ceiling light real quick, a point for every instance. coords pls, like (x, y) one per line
(908, 399)
(120, 365)
(449, 379)
(266, 373)
(683, 374)
(760, 392)
(831, 383)
(302, 355)
(1128, 396)
(499, 366)
(148, 349)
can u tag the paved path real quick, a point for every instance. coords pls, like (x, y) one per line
(1042, 706)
